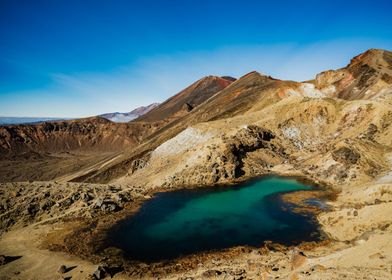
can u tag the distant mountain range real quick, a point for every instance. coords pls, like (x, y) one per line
(114, 117)
(126, 117)
(26, 120)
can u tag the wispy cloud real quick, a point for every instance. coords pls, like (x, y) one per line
(156, 78)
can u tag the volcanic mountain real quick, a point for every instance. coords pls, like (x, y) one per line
(189, 98)
(368, 76)
(79, 143)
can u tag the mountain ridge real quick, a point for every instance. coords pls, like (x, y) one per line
(193, 95)
(258, 90)
(209, 99)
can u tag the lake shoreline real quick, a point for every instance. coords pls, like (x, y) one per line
(90, 245)
(75, 239)
(214, 211)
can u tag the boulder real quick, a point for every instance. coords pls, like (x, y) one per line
(66, 203)
(3, 259)
(346, 155)
(85, 197)
(98, 203)
(47, 204)
(32, 209)
(100, 272)
(75, 196)
(62, 269)
(109, 206)
(212, 273)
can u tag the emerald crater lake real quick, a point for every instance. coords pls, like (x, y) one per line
(179, 223)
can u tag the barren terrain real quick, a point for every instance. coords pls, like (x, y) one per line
(62, 188)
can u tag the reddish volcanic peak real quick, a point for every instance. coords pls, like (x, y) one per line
(223, 82)
(229, 78)
(193, 95)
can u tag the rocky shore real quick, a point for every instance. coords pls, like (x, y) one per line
(66, 222)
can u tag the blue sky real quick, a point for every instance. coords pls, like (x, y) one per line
(79, 58)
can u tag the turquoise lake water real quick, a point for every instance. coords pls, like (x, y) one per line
(178, 223)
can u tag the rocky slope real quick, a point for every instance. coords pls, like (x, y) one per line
(306, 111)
(335, 130)
(237, 98)
(88, 144)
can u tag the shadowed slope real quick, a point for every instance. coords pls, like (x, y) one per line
(187, 99)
